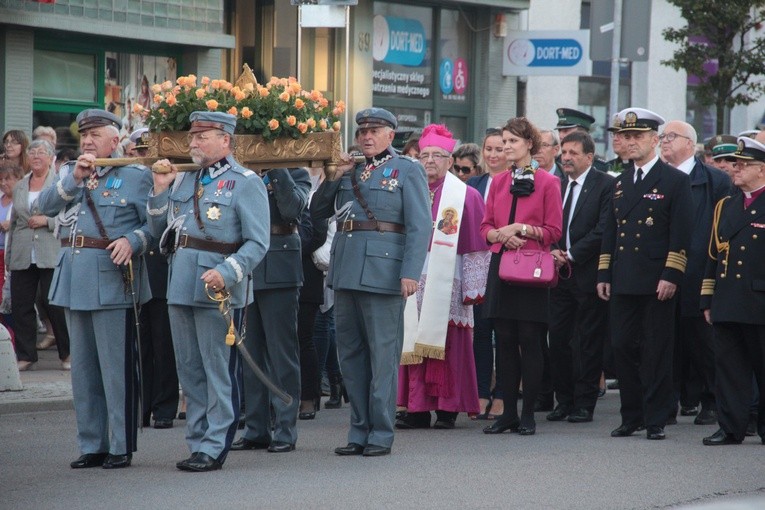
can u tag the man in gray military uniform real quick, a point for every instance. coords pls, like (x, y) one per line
(215, 224)
(272, 319)
(100, 279)
(383, 230)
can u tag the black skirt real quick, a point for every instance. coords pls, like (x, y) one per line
(506, 301)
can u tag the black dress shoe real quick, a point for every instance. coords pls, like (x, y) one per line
(162, 423)
(527, 431)
(580, 416)
(498, 427)
(307, 415)
(190, 459)
(89, 460)
(689, 410)
(414, 421)
(372, 450)
(117, 461)
(350, 449)
(199, 462)
(246, 444)
(280, 447)
(655, 433)
(720, 438)
(182, 415)
(559, 414)
(706, 417)
(624, 430)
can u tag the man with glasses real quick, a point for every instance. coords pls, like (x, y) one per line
(214, 226)
(100, 279)
(549, 153)
(383, 227)
(733, 296)
(693, 361)
(642, 262)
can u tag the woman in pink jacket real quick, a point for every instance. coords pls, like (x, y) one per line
(520, 314)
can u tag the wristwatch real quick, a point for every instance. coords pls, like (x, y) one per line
(523, 230)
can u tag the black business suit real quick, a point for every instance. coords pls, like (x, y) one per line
(735, 294)
(645, 240)
(579, 318)
(693, 346)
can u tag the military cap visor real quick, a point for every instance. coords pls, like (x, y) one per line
(568, 118)
(723, 150)
(376, 117)
(640, 120)
(95, 118)
(205, 121)
(749, 150)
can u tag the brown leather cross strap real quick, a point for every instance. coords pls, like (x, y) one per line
(86, 242)
(380, 226)
(283, 229)
(186, 241)
(96, 216)
(362, 202)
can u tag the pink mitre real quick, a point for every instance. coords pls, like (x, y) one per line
(437, 135)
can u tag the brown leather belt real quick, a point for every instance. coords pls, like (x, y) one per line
(283, 229)
(381, 226)
(86, 242)
(187, 241)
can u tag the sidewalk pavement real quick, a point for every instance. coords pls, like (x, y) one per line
(46, 387)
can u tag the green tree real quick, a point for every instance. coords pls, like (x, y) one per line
(721, 32)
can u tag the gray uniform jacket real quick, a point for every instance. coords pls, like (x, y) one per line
(21, 238)
(86, 279)
(368, 260)
(235, 211)
(287, 197)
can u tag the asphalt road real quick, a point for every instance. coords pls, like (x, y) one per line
(566, 466)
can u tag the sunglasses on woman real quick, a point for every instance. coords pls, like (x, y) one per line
(463, 169)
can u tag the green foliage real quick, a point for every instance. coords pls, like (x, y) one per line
(721, 31)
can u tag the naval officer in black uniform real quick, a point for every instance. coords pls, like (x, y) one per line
(733, 296)
(642, 262)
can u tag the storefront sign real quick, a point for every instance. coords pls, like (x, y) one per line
(547, 52)
(398, 41)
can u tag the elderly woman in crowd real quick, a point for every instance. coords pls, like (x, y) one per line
(523, 210)
(31, 256)
(15, 143)
(466, 161)
(10, 174)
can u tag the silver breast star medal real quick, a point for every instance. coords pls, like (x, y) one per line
(213, 213)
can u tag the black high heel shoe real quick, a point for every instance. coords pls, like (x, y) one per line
(485, 414)
(498, 427)
(310, 415)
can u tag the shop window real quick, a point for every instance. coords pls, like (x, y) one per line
(65, 76)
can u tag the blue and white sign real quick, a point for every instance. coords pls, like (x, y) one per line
(547, 52)
(398, 41)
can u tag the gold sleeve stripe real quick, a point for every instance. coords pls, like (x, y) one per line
(604, 262)
(707, 287)
(677, 261)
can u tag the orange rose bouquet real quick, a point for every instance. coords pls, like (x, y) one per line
(280, 108)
